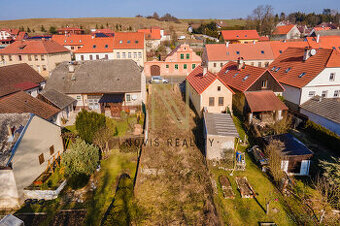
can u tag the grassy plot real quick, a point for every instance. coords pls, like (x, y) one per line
(241, 211)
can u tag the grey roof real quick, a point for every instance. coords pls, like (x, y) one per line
(328, 32)
(57, 98)
(328, 108)
(219, 124)
(97, 76)
(16, 122)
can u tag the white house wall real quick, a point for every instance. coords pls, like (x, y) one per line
(291, 94)
(94, 56)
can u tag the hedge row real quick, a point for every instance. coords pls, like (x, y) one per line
(323, 135)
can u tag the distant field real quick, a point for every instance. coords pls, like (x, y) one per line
(229, 22)
(87, 23)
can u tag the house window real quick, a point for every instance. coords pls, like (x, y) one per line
(44, 68)
(193, 66)
(336, 93)
(324, 93)
(118, 55)
(135, 55)
(72, 47)
(129, 54)
(220, 101)
(41, 158)
(91, 57)
(214, 64)
(97, 57)
(259, 64)
(20, 58)
(185, 66)
(78, 97)
(139, 55)
(36, 57)
(332, 77)
(252, 63)
(29, 58)
(10, 57)
(123, 55)
(106, 56)
(176, 66)
(218, 88)
(52, 150)
(311, 93)
(182, 56)
(264, 84)
(167, 66)
(266, 64)
(128, 97)
(188, 56)
(211, 101)
(42, 57)
(82, 57)
(221, 64)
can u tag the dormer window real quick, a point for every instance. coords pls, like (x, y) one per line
(288, 69)
(302, 74)
(245, 78)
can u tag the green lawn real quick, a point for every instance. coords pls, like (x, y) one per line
(241, 211)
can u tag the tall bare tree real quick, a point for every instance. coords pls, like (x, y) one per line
(262, 19)
(274, 159)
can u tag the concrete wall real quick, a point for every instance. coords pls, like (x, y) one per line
(331, 125)
(291, 94)
(78, 56)
(38, 138)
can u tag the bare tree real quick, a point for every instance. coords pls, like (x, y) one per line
(102, 138)
(274, 159)
(262, 19)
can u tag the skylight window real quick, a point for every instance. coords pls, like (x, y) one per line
(334, 47)
(262, 52)
(226, 71)
(280, 51)
(80, 40)
(288, 69)
(106, 46)
(302, 74)
(128, 41)
(94, 46)
(277, 69)
(136, 41)
(245, 78)
(273, 68)
(120, 41)
(245, 35)
(235, 75)
(236, 35)
(238, 52)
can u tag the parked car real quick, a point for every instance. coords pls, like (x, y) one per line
(158, 80)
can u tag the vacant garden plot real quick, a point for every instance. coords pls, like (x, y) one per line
(173, 184)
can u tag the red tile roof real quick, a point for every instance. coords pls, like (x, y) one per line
(200, 82)
(104, 31)
(18, 77)
(278, 47)
(22, 102)
(322, 28)
(249, 51)
(302, 72)
(240, 35)
(128, 40)
(266, 100)
(33, 46)
(240, 79)
(70, 29)
(97, 45)
(325, 42)
(21, 36)
(283, 30)
(264, 38)
(152, 33)
(71, 40)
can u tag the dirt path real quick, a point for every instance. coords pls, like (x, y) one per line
(173, 187)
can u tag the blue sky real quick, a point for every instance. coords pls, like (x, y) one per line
(226, 9)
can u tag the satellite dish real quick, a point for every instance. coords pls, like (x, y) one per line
(312, 52)
(134, 97)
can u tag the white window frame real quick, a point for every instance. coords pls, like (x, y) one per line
(336, 93)
(311, 93)
(332, 77)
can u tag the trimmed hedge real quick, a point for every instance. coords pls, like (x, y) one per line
(323, 135)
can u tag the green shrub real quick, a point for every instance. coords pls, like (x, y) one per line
(88, 123)
(323, 135)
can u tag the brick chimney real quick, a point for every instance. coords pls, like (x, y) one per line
(240, 63)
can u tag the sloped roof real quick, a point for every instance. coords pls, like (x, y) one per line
(326, 107)
(201, 82)
(22, 102)
(33, 46)
(325, 42)
(96, 76)
(283, 30)
(278, 47)
(220, 124)
(249, 51)
(293, 58)
(265, 100)
(58, 99)
(240, 79)
(18, 77)
(151, 33)
(104, 31)
(97, 45)
(128, 40)
(71, 39)
(240, 35)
